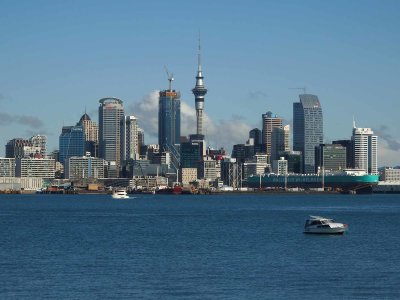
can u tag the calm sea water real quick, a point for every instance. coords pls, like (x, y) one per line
(197, 247)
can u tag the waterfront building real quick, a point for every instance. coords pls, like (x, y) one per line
(21, 183)
(269, 122)
(231, 172)
(348, 144)
(15, 148)
(71, 142)
(111, 111)
(33, 167)
(199, 92)
(390, 174)
(129, 138)
(280, 139)
(210, 169)
(365, 149)
(40, 142)
(330, 158)
(187, 175)
(7, 167)
(307, 129)
(91, 132)
(84, 167)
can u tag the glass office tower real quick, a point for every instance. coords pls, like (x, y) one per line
(111, 112)
(307, 129)
(169, 119)
(71, 142)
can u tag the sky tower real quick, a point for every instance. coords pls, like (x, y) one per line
(199, 91)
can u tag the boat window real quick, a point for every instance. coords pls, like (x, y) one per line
(315, 222)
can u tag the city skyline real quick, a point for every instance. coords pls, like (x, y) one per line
(66, 60)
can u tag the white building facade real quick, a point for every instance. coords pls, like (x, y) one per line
(365, 150)
(31, 167)
(84, 167)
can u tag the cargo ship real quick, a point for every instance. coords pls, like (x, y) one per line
(346, 180)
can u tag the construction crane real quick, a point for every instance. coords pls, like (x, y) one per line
(170, 77)
(300, 88)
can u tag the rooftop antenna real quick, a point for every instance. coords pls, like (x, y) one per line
(304, 89)
(170, 77)
(354, 122)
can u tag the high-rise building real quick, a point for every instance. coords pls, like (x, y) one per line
(169, 123)
(199, 92)
(330, 158)
(348, 144)
(191, 154)
(91, 131)
(15, 147)
(71, 142)
(41, 142)
(365, 149)
(280, 139)
(111, 111)
(307, 129)
(209, 169)
(269, 122)
(169, 119)
(129, 138)
(256, 135)
(141, 141)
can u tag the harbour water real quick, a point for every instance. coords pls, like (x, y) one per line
(197, 247)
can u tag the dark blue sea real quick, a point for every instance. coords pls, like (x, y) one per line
(197, 247)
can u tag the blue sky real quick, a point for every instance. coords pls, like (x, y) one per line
(58, 58)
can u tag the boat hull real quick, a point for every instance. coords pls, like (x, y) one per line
(119, 197)
(325, 231)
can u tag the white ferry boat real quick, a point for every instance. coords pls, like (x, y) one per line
(120, 194)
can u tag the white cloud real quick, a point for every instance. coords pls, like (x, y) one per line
(387, 156)
(222, 133)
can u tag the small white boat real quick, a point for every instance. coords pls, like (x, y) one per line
(316, 224)
(120, 194)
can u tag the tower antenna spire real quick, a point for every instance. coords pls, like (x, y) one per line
(199, 54)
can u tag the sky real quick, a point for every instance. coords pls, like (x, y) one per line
(58, 58)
